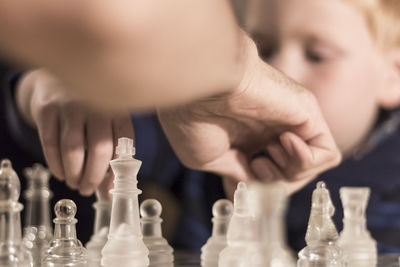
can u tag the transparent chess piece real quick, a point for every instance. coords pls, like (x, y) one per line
(271, 201)
(65, 249)
(125, 246)
(160, 252)
(355, 239)
(12, 251)
(222, 212)
(38, 229)
(101, 228)
(243, 240)
(321, 236)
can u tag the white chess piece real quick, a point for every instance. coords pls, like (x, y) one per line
(101, 226)
(65, 249)
(125, 246)
(243, 241)
(12, 253)
(271, 199)
(160, 252)
(38, 231)
(321, 236)
(222, 212)
(355, 239)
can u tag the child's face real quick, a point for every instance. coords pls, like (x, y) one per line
(327, 47)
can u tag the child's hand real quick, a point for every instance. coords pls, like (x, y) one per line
(77, 142)
(291, 161)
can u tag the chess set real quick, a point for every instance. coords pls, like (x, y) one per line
(246, 233)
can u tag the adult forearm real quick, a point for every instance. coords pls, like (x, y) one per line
(128, 54)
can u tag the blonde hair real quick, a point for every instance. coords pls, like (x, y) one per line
(383, 18)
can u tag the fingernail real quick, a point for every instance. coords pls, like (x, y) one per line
(262, 171)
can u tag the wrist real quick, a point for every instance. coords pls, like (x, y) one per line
(265, 87)
(249, 62)
(248, 67)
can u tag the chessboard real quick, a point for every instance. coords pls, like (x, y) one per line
(247, 232)
(188, 259)
(389, 260)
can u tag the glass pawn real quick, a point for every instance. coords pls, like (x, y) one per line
(355, 239)
(243, 242)
(160, 252)
(12, 251)
(222, 212)
(271, 199)
(38, 229)
(65, 249)
(125, 246)
(321, 236)
(101, 228)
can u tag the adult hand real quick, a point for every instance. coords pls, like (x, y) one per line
(77, 142)
(266, 114)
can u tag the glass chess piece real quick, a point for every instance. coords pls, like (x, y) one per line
(243, 240)
(321, 236)
(355, 239)
(271, 201)
(12, 251)
(222, 212)
(65, 250)
(125, 246)
(101, 226)
(160, 252)
(38, 229)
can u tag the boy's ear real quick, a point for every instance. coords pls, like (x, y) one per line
(390, 97)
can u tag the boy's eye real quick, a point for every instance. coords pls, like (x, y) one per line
(314, 56)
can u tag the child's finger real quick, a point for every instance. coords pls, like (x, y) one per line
(299, 151)
(99, 152)
(229, 185)
(265, 170)
(49, 134)
(232, 164)
(321, 151)
(72, 144)
(278, 154)
(309, 160)
(103, 190)
(122, 127)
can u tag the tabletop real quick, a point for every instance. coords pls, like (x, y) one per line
(187, 259)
